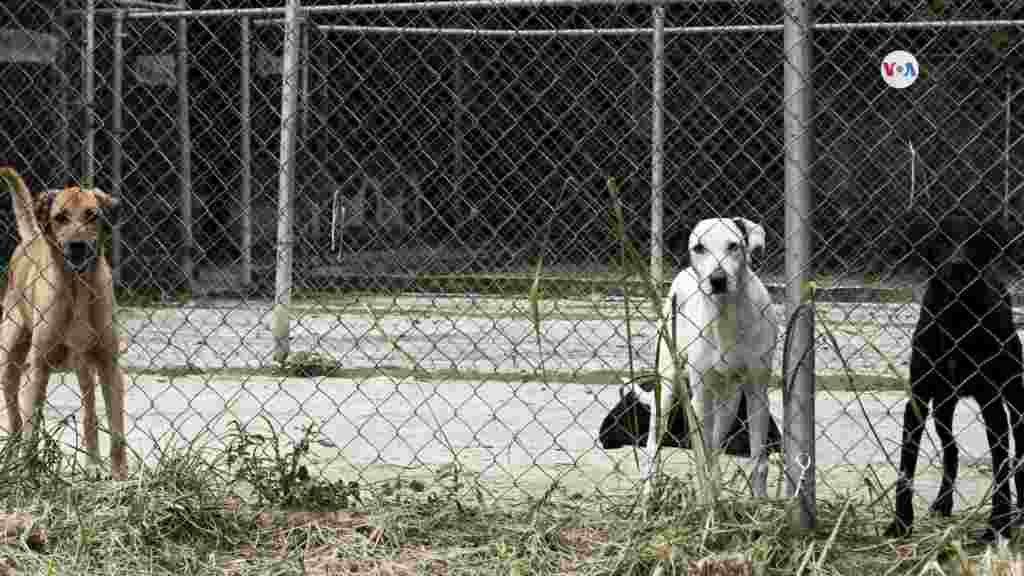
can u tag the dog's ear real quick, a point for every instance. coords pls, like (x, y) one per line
(41, 209)
(109, 205)
(753, 232)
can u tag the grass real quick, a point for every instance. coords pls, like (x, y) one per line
(193, 511)
(316, 365)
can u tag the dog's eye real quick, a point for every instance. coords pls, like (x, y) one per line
(61, 218)
(699, 249)
(90, 215)
(733, 246)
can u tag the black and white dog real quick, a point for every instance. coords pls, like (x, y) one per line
(965, 345)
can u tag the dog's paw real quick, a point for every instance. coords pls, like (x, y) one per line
(990, 535)
(1001, 525)
(898, 529)
(119, 473)
(943, 505)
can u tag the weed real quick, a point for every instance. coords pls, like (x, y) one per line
(280, 475)
(31, 463)
(188, 369)
(151, 297)
(307, 365)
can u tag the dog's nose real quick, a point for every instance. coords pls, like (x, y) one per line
(77, 251)
(719, 281)
(79, 255)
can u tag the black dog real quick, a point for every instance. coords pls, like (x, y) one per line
(629, 422)
(965, 345)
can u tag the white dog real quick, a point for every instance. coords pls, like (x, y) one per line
(725, 333)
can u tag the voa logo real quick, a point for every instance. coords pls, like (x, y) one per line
(900, 69)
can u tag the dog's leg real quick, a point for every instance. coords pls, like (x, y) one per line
(33, 392)
(758, 419)
(113, 388)
(714, 404)
(726, 396)
(11, 381)
(87, 387)
(993, 413)
(699, 413)
(1013, 391)
(14, 349)
(1017, 426)
(914, 416)
(943, 417)
(1016, 410)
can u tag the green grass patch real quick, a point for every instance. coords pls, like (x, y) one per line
(326, 369)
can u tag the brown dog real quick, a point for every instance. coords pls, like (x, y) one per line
(58, 312)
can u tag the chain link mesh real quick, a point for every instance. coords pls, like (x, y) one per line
(444, 156)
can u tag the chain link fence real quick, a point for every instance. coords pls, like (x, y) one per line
(444, 153)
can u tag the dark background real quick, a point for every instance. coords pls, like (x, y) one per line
(543, 123)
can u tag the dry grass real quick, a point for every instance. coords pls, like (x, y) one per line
(188, 515)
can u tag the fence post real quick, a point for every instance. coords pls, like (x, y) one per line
(286, 184)
(319, 98)
(62, 168)
(799, 406)
(116, 143)
(458, 93)
(657, 142)
(184, 132)
(304, 178)
(304, 79)
(246, 152)
(89, 96)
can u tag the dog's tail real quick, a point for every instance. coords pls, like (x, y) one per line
(28, 226)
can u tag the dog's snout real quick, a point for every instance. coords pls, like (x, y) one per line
(77, 251)
(719, 281)
(79, 255)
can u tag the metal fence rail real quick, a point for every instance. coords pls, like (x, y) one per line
(336, 212)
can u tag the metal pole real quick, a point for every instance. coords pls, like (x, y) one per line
(391, 6)
(62, 168)
(799, 407)
(304, 81)
(246, 152)
(89, 95)
(145, 4)
(185, 177)
(116, 144)
(458, 88)
(323, 98)
(636, 31)
(289, 102)
(657, 142)
(420, 6)
(913, 172)
(305, 176)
